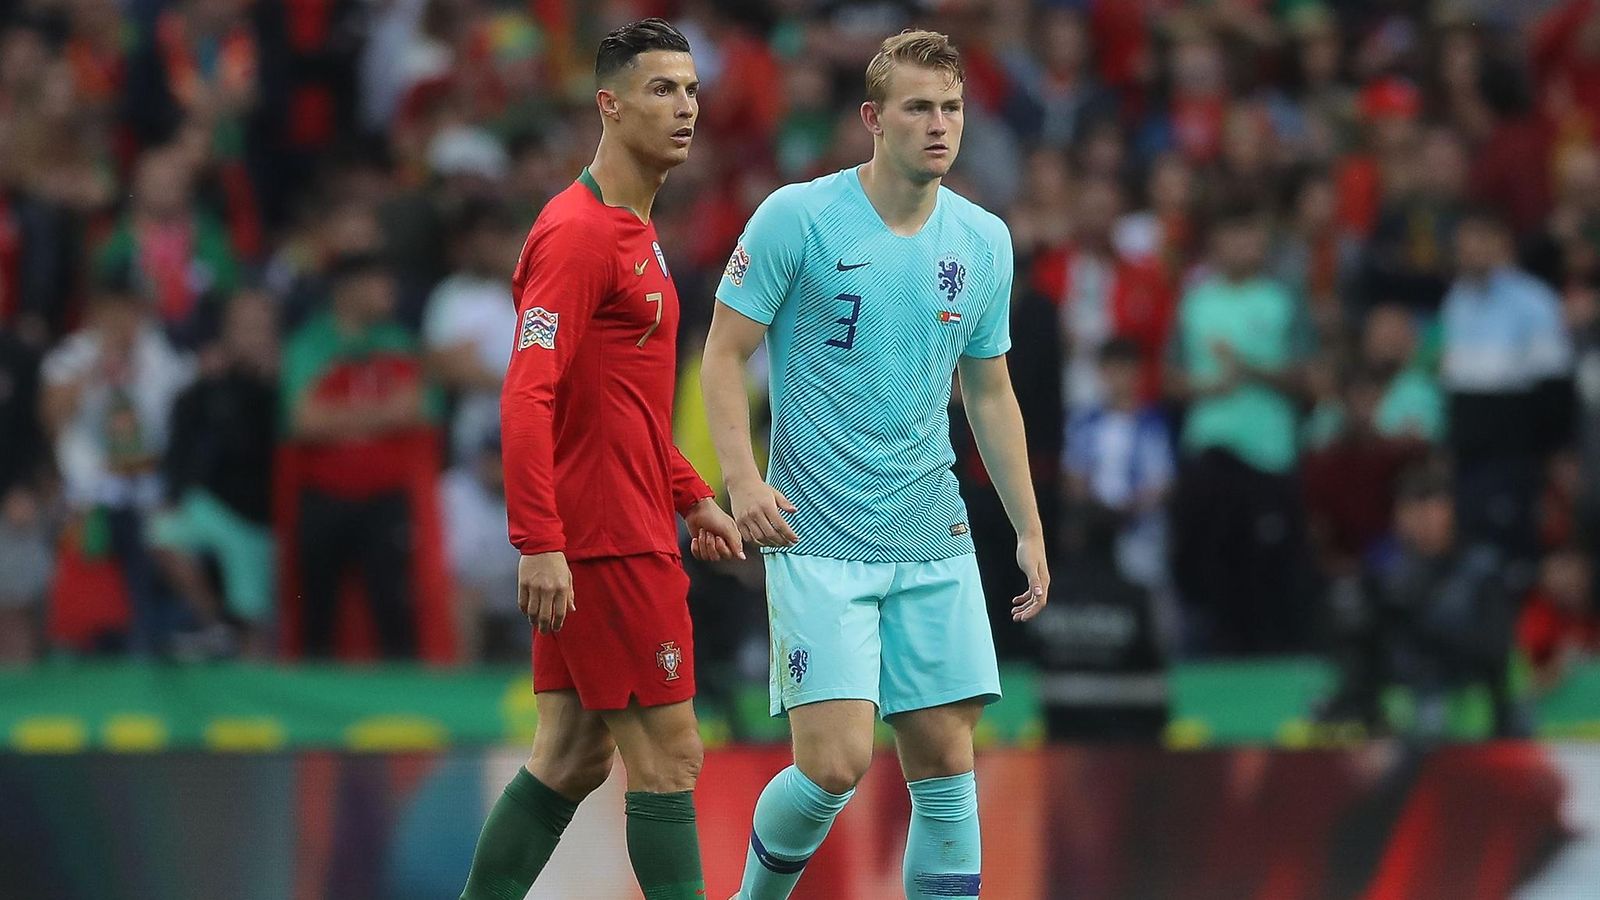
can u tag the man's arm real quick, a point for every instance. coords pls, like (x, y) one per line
(757, 507)
(317, 420)
(997, 427)
(457, 366)
(566, 274)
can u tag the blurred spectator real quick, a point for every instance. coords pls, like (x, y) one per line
(26, 560)
(493, 628)
(352, 387)
(1408, 260)
(1506, 369)
(218, 486)
(1191, 121)
(297, 274)
(1322, 106)
(1314, 257)
(1043, 217)
(1167, 230)
(1566, 250)
(1099, 294)
(1239, 351)
(806, 130)
(1103, 672)
(1059, 92)
(177, 256)
(1118, 461)
(22, 453)
(1560, 622)
(470, 320)
(1412, 404)
(107, 404)
(1346, 524)
(1447, 608)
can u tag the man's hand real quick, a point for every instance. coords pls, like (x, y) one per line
(1030, 558)
(544, 590)
(758, 509)
(715, 535)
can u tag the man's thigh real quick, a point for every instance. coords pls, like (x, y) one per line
(937, 645)
(629, 638)
(823, 619)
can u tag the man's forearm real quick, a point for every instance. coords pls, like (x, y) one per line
(728, 415)
(997, 428)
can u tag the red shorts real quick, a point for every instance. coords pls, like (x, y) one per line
(629, 638)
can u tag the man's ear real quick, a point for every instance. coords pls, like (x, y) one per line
(606, 99)
(871, 118)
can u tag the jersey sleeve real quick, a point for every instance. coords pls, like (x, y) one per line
(992, 336)
(688, 488)
(767, 258)
(567, 272)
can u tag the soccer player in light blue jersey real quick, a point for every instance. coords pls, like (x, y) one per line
(872, 287)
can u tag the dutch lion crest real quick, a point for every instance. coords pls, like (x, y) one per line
(952, 278)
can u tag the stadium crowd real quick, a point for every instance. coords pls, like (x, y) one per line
(1307, 324)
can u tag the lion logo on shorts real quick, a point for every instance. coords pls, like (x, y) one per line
(798, 660)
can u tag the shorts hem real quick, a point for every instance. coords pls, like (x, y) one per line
(988, 692)
(610, 704)
(780, 710)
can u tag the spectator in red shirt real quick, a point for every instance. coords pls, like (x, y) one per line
(353, 389)
(1560, 623)
(1100, 293)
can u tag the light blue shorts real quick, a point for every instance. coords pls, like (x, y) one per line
(904, 635)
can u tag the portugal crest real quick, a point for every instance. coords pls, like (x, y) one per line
(669, 658)
(952, 278)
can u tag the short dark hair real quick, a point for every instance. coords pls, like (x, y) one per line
(1489, 218)
(349, 266)
(1429, 480)
(619, 48)
(1120, 350)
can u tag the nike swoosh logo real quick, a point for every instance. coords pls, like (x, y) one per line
(638, 267)
(844, 268)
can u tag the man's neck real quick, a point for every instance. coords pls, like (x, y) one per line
(348, 322)
(623, 181)
(904, 205)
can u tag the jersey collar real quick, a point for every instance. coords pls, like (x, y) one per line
(587, 180)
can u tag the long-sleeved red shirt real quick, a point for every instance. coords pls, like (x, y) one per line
(586, 411)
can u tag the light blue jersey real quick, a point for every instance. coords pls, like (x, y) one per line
(865, 328)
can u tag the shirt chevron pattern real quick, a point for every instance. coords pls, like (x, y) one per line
(864, 331)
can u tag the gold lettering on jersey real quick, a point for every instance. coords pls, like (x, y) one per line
(652, 297)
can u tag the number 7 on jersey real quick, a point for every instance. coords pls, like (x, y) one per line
(652, 297)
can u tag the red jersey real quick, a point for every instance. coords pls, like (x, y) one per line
(586, 411)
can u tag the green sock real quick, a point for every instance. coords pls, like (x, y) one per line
(517, 840)
(663, 845)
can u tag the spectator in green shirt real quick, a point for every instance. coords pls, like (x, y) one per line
(355, 398)
(1240, 348)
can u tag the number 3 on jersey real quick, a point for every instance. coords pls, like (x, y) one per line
(652, 297)
(849, 321)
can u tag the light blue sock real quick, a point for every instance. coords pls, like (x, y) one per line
(944, 856)
(792, 817)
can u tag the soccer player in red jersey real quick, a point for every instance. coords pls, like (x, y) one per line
(592, 485)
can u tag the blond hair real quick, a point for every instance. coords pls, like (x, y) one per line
(928, 49)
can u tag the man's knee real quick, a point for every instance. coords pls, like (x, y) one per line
(672, 763)
(574, 775)
(836, 767)
(937, 762)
